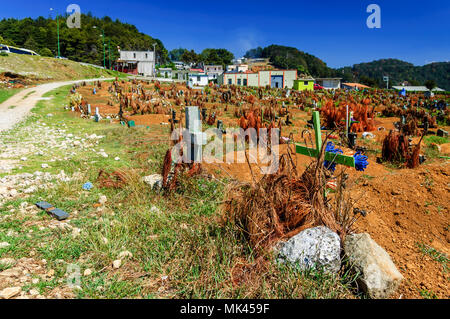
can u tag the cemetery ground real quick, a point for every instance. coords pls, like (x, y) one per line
(134, 242)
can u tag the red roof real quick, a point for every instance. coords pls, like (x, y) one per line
(197, 70)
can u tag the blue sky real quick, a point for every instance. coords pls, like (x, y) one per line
(416, 31)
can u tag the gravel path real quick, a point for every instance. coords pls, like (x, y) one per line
(16, 108)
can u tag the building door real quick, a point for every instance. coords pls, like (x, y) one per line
(277, 81)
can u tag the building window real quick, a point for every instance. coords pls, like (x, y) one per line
(245, 82)
(198, 79)
(239, 82)
(230, 81)
(146, 55)
(134, 55)
(306, 83)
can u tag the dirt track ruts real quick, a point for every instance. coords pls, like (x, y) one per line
(16, 108)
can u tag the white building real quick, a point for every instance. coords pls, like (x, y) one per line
(164, 73)
(329, 83)
(416, 89)
(137, 62)
(213, 71)
(197, 79)
(239, 68)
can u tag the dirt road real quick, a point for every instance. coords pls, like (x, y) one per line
(16, 108)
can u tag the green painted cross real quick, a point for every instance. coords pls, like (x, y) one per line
(331, 157)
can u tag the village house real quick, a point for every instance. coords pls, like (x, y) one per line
(329, 83)
(197, 79)
(237, 68)
(165, 73)
(275, 79)
(213, 71)
(136, 62)
(304, 84)
(354, 86)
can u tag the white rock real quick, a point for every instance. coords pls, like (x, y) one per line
(155, 181)
(44, 165)
(103, 154)
(125, 254)
(8, 293)
(103, 199)
(379, 277)
(117, 263)
(313, 248)
(87, 272)
(117, 159)
(4, 245)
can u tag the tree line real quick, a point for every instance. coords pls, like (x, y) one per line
(84, 44)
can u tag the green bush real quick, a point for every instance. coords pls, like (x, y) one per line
(3, 54)
(46, 52)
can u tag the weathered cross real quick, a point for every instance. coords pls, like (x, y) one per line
(331, 157)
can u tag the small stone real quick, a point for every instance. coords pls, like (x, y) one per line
(4, 245)
(117, 263)
(155, 181)
(117, 159)
(87, 272)
(125, 254)
(76, 143)
(8, 293)
(7, 262)
(44, 165)
(34, 292)
(103, 199)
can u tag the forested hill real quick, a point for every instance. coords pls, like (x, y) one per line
(84, 44)
(291, 58)
(367, 73)
(398, 71)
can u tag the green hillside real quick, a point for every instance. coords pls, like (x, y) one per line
(84, 44)
(398, 71)
(291, 58)
(39, 68)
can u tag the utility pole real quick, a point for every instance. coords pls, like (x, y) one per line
(154, 53)
(57, 31)
(109, 51)
(104, 47)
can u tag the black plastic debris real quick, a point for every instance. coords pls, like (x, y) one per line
(44, 205)
(58, 214)
(50, 209)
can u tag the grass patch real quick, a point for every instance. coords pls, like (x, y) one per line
(5, 94)
(435, 255)
(439, 140)
(180, 245)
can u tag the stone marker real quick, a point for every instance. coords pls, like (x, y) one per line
(379, 277)
(313, 248)
(197, 137)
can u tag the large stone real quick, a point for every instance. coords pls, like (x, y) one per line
(317, 247)
(8, 293)
(379, 277)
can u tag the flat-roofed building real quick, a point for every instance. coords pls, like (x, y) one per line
(137, 62)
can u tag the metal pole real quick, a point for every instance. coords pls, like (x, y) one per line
(57, 31)
(109, 51)
(104, 49)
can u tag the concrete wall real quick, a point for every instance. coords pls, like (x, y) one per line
(146, 68)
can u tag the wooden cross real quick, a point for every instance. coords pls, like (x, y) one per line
(331, 157)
